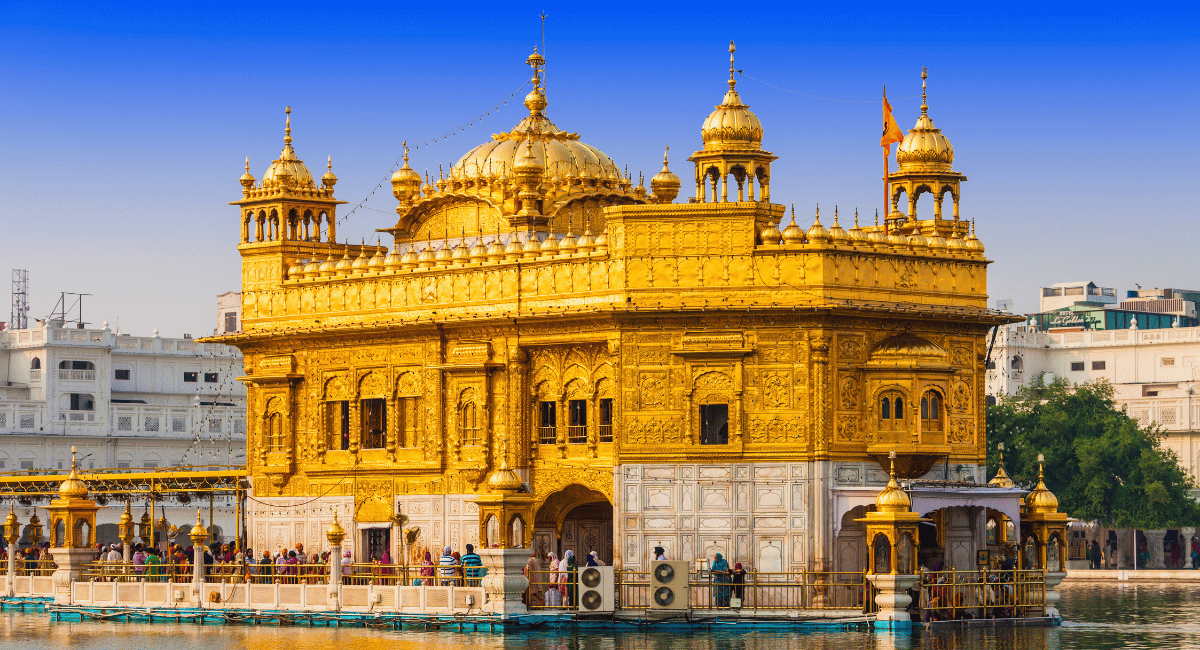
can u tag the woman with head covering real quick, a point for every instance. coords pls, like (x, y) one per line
(720, 574)
(347, 564)
(569, 573)
(738, 578)
(552, 596)
(427, 570)
(593, 559)
(532, 571)
(385, 562)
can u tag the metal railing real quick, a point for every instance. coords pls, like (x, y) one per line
(547, 590)
(547, 435)
(288, 574)
(948, 595)
(35, 567)
(787, 590)
(576, 435)
(605, 432)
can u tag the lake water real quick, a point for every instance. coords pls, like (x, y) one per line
(1097, 617)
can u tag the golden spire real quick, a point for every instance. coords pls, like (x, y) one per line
(892, 498)
(924, 104)
(1001, 478)
(287, 129)
(1041, 500)
(732, 81)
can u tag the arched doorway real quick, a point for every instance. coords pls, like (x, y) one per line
(576, 519)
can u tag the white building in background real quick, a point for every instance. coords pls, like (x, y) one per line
(1155, 373)
(125, 402)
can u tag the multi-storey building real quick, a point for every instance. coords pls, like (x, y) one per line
(125, 402)
(551, 356)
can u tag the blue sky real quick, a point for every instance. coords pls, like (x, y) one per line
(123, 128)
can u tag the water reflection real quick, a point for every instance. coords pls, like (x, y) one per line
(1099, 617)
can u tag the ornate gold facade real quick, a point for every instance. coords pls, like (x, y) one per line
(539, 312)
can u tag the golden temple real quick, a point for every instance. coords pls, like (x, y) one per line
(550, 356)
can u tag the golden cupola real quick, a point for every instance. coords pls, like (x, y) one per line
(406, 182)
(1041, 501)
(732, 148)
(665, 184)
(73, 487)
(288, 170)
(925, 159)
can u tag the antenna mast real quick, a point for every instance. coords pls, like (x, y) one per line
(19, 319)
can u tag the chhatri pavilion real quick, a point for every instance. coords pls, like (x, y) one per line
(550, 356)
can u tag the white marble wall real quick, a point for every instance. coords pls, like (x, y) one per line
(754, 513)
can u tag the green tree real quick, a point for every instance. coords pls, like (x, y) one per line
(1099, 463)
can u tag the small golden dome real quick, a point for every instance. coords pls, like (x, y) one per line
(771, 234)
(478, 250)
(409, 259)
(856, 234)
(549, 245)
(461, 253)
(586, 241)
(73, 487)
(445, 253)
(377, 260)
(817, 234)
(935, 243)
(731, 125)
(288, 165)
(328, 267)
(406, 177)
(345, 264)
(362, 261)
(892, 498)
(973, 244)
(329, 179)
(394, 259)
(955, 243)
(837, 234)
(296, 271)
(495, 250)
(568, 243)
(792, 234)
(312, 269)
(515, 248)
(925, 148)
(335, 533)
(504, 479)
(665, 183)
(198, 531)
(1041, 500)
(247, 179)
(426, 258)
(602, 240)
(428, 189)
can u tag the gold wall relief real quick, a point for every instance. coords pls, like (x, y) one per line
(849, 429)
(654, 430)
(960, 397)
(773, 429)
(653, 391)
(960, 431)
(776, 390)
(849, 394)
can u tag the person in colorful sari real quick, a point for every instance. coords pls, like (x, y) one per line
(720, 577)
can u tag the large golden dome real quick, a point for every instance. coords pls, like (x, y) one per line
(731, 125)
(559, 153)
(1041, 500)
(288, 164)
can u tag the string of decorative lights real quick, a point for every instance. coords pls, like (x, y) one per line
(430, 142)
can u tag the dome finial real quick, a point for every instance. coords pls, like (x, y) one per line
(855, 217)
(835, 216)
(405, 145)
(287, 129)
(876, 217)
(817, 218)
(732, 81)
(329, 164)
(924, 76)
(665, 153)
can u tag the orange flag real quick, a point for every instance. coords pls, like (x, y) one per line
(891, 130)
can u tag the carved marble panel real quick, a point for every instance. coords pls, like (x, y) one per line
(714, 497)
(659, 497)
(769, 498)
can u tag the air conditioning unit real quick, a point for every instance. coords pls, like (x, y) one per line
(669, 585)
(596, 592)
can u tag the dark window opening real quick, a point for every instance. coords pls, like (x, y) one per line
(231, 324)
(36, 364)
(191, 377)
(885, 410)
(991, 365)
(374, 423)
(605, 420)
(577, 421)
(77, 365)
(121, 373)
(1097, 365)
(82, 402)
(931, 411)
(210, 377)
(337, 416)
(714, 424)
(378, 541)
(547, 423)
(469, 431)
(1076, 366)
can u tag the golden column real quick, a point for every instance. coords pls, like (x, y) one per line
(125, 532)
(335, 534)
(199, 536)
(12, 533)
(891, 534)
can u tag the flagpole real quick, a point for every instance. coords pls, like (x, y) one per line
(886, 197)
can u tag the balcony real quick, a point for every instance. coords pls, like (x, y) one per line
(76, 375)
(577, 435)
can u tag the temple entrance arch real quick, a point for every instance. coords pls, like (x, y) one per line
(577, 519)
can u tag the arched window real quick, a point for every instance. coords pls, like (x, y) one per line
(468, 424)
(36, 364)
(931, 411)
(891, 412)
(882, 553)
(275, 441)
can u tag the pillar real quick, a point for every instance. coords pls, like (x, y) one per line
(505, 582)
(1154, 545)
(893, 598)
(199, 536)
(1053, 579)
(335, 534)
(12, 533)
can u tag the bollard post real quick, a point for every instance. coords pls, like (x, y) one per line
(335, 534)
(199, 536)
